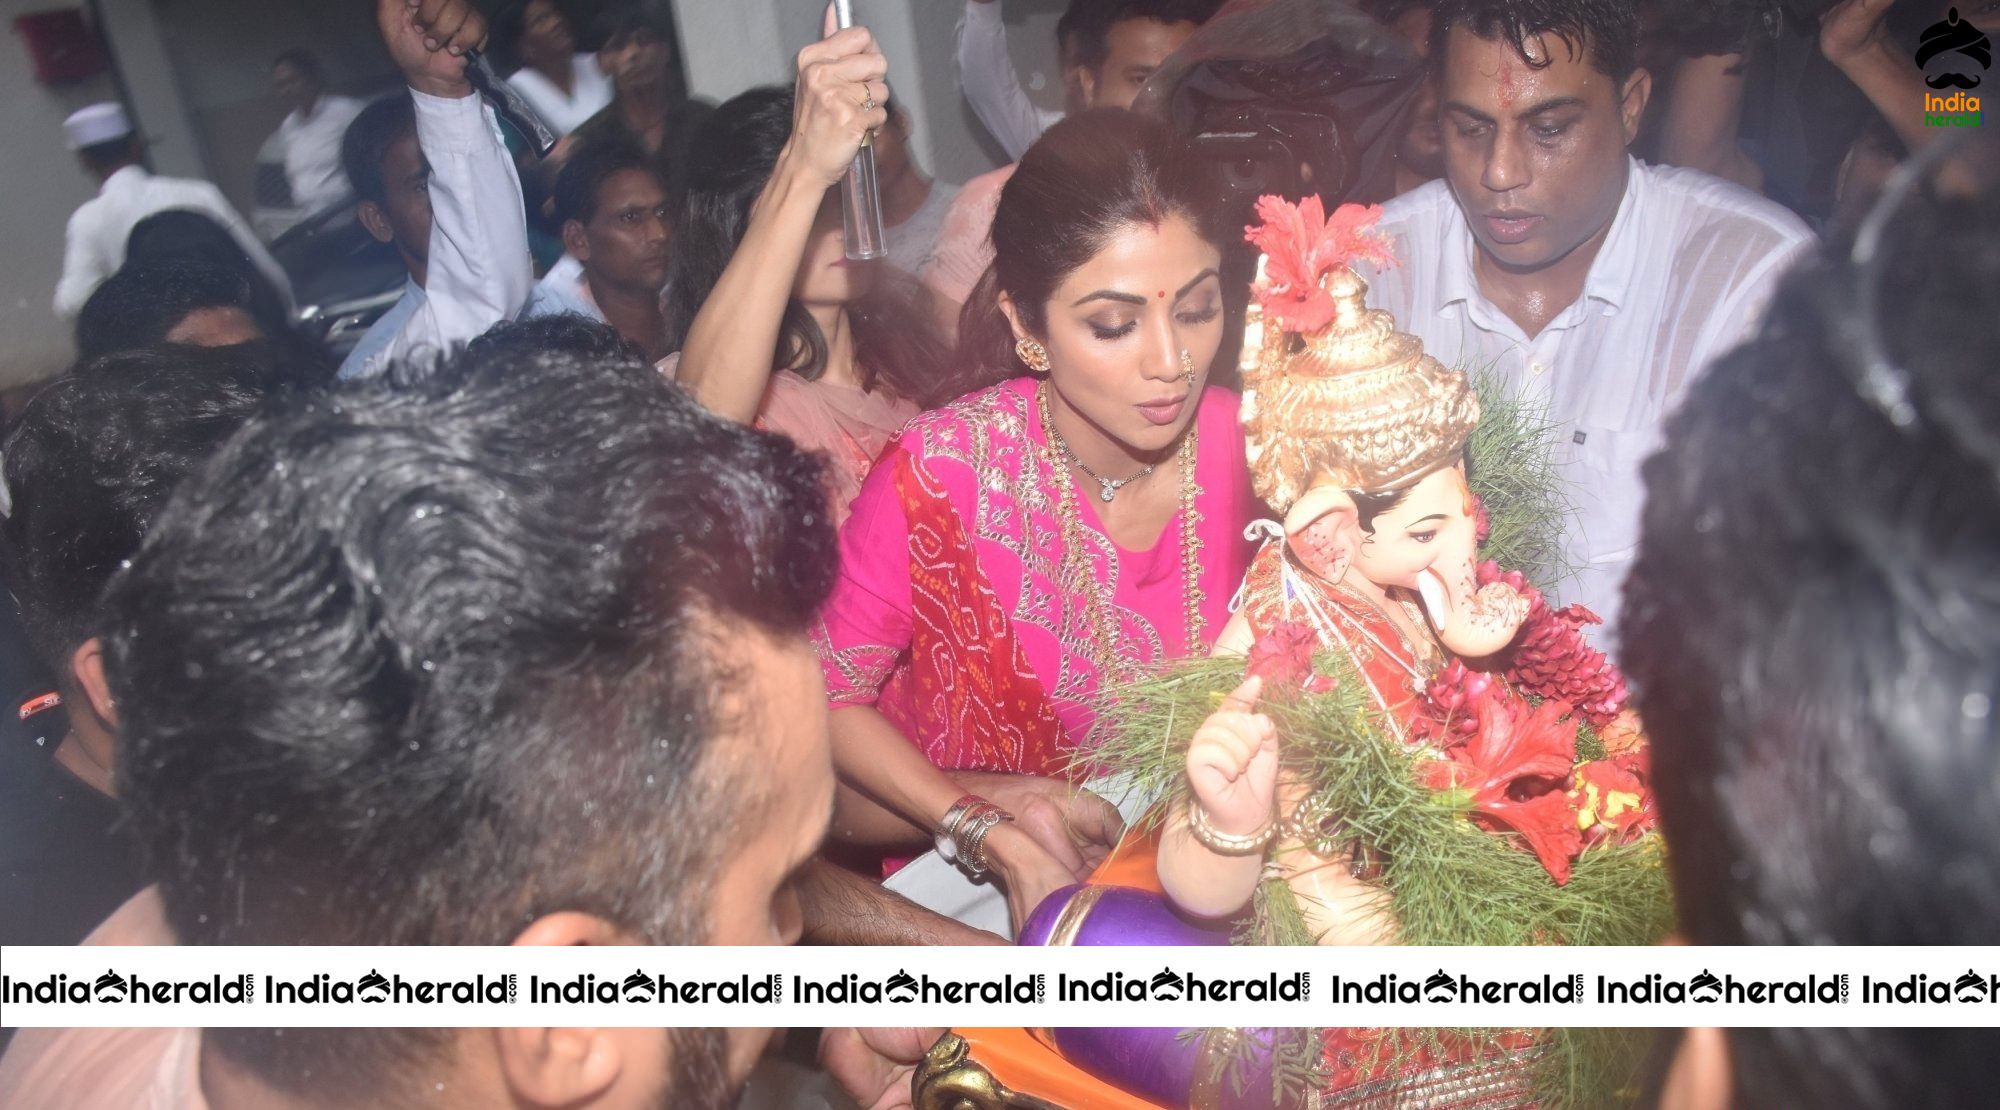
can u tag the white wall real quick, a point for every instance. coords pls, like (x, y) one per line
(43, 185)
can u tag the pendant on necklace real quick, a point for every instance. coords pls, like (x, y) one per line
(1110, 489)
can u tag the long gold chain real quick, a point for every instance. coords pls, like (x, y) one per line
(1100, 611)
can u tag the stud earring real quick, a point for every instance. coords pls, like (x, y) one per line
(1033, 354)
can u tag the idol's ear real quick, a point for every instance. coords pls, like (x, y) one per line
(1323, 530)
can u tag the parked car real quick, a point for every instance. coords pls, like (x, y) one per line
(343, 278)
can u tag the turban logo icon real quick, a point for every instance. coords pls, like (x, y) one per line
(1952, 39)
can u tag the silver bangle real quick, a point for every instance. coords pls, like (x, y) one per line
(945, 837)
(1226, 844)
(972, 833)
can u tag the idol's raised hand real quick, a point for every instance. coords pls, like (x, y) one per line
(1232, 764)
(841, 98)
(428, 40)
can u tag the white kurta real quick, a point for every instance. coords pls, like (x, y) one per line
(590, 93)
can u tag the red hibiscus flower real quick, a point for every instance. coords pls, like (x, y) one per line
(1301, 245)
(1283, 658)
(1515, 769)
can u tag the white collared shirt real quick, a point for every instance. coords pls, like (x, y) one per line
(94, 246)
(479, 272)
(310, 146)
(564, 290)
(1683, 277)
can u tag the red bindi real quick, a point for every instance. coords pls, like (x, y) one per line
(1162, 294)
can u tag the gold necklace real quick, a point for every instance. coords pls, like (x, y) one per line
(1099, 611)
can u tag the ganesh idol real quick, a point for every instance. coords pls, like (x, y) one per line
(1380, 696)
(1358, 438)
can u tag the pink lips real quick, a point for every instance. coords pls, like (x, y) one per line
(1511, 229)
(1163, 413)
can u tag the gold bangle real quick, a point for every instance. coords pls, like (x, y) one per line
(1226, 844)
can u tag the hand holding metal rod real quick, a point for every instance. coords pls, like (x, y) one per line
(860, 194)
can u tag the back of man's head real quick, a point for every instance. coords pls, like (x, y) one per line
(375, 129)
(462, 641)
(93, 458)
(1813, 627)
(141, 306)
(1603, 32)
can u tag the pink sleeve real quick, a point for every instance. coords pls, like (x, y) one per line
(865, 628)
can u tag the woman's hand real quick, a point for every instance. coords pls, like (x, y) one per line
(1026, 869)
(840, 98)
(1071, 824)
(1232, 764)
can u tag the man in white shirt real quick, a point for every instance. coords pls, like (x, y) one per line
(1584, 281)
(432, 176)
(94, 245)
(309, 138)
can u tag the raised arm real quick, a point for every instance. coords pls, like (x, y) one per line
(480, 272)
(732, 342)
(986, 74)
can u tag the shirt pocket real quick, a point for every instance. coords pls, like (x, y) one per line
(1607, 488)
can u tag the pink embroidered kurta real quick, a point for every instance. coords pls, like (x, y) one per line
(954, 614)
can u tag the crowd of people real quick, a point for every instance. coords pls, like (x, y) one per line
(653, 573)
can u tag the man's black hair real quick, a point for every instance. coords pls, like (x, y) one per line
(458, 641)
(93, 458)
(621, 21)
(379, 126)
(1812, 626)
(139, 305)
(1603, 32)
(1092, 22)
(597, 160)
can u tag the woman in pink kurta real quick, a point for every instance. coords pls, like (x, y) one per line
(955, 615)
(1018, 554)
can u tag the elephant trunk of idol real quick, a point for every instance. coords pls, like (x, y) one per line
(1472, 621)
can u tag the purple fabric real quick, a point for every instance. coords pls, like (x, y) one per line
(1155, 1064)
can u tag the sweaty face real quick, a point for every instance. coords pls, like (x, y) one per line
(778, 745)
(1116, 328)
(826, 275)
(1535, 156)
(220, 326)
(625, 243)
(1134, 49)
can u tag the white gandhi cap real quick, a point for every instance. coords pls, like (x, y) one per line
(98, 123)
